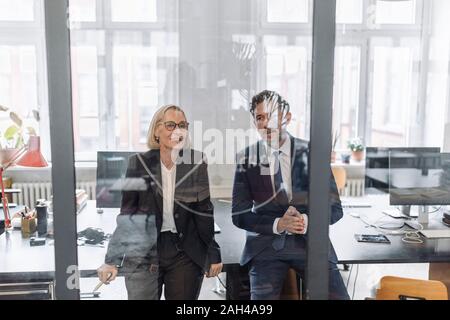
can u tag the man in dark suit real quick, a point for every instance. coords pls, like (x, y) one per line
(270, 201)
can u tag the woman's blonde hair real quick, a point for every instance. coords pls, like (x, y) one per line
(152, 142)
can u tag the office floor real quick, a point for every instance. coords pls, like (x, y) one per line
(116, 289)
(367, 277)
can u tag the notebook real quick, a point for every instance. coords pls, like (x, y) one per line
(435, 234)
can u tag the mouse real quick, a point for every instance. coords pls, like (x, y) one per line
(354, 214)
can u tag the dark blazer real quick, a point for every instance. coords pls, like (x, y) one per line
(140, 220)
(254, 208)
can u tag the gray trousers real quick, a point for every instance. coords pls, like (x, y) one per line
(142, 284)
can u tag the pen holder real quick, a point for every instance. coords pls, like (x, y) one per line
(28, 227)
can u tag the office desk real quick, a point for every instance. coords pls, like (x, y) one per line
(19, 261)
(350, 251)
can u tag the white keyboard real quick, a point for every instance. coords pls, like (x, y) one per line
(435, 234)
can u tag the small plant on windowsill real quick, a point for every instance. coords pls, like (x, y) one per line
(356, 146)
(15, 135)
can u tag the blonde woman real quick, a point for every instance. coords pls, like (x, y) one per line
(165, 233)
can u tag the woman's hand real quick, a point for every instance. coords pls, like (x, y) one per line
(214, 270)
(107, 273)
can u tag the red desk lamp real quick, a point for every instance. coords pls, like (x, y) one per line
(30, 156)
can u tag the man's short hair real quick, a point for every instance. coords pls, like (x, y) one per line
(268, 95)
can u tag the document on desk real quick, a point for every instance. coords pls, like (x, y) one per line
(355, 204)
(436, 234)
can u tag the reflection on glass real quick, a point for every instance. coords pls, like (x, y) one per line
(419, 177)
(83, 10)
(287, 73)
(134, 11)
(349, 11)
(377, 163)
(287, 11)
(136, 91)
(395, 12)
(394, 94)
(346, 92)
(17, 10)
(18, 74)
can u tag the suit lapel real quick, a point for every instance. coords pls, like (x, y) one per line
(264, 170)
(153, 162)
(180, 173)
(298, 164)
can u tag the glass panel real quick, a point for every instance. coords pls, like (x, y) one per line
(83, 10)
(287, 73)
(19, 10)
(391, 165)
(18, 73)
(346, 93)
(134, 11)
(395, 12)
(349, 11)
(123, 73)
(27, 263)
(288, 11)
(393, 94)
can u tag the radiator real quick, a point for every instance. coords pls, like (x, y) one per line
(31, 191)
(354, 188)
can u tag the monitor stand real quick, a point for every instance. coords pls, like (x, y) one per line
(419, 212)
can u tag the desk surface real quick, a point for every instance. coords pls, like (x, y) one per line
(19, 260)
(350, 251)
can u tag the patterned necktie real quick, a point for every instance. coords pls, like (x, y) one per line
(280, 191)
(281, 196)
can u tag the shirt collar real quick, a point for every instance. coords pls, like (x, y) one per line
(284, 149)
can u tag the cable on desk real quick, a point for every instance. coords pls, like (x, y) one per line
(408, 236)
(436, 210)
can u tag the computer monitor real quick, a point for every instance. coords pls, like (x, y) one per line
(377, 164)
(111, 170)
(419, 178)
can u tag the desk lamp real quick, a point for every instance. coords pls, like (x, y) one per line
(27, 156)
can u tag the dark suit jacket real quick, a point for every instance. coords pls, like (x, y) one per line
(140, 220)
(254, 208)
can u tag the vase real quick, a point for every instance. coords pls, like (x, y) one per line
(357, 155)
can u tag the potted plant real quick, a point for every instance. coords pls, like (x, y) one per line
(357, 148)
(12, 138)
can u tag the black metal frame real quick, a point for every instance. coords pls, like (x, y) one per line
(57, 37)
(324, 29)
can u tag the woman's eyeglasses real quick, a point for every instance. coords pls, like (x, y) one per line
(171, 125)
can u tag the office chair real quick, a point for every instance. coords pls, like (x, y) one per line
(340, 175)
(397, 288)
(291, 290)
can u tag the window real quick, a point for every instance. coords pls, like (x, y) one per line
(381, 69)
(22, 65)
(121, 72)
(286, 70)
(133, 11)
(395, 12)
(17, 10)
(349, 11)
(287, 11)
(393, 95)
(347, 65)
(83, 10)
